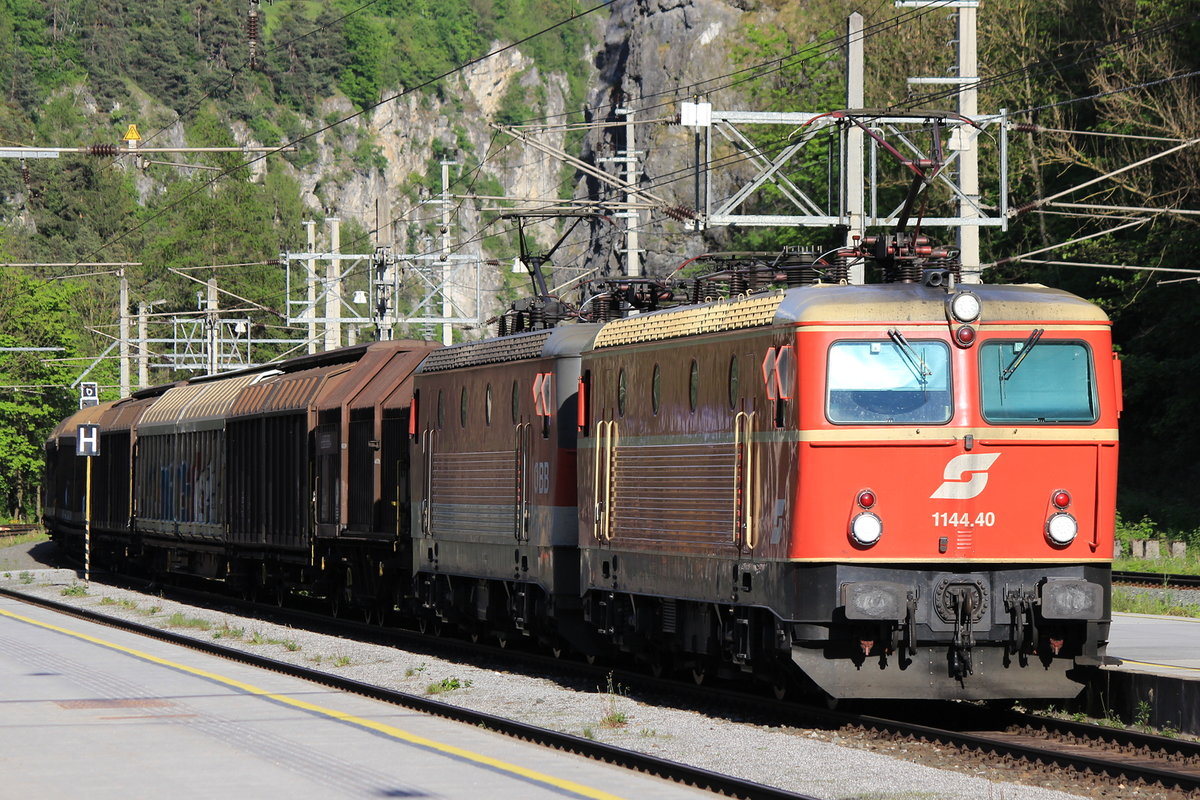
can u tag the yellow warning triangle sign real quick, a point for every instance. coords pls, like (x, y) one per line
(132, 135)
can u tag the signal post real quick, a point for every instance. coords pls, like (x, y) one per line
(87, 445)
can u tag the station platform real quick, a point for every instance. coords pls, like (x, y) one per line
(1158, 679)
(101, 713)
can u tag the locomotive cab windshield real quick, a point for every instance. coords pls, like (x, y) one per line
(1053, 382)
(898, 381)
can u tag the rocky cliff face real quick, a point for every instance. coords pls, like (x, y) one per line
(651, 54)
(656, 53)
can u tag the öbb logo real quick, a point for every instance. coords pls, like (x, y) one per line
(965, 475)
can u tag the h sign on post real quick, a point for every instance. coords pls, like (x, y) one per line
(87, 441)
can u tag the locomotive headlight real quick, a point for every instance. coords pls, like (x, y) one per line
(1061, 529)
(965, 307)
(866, 528)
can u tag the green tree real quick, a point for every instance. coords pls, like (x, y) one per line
(34, 393)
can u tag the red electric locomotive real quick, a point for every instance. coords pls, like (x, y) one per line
(894, 490)
(904, 490)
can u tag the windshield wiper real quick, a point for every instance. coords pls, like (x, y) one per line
(1019, 357)
(915, 362)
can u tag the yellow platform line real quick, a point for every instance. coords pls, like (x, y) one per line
(341, 716)
(1159, 666)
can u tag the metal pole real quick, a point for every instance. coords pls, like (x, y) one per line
(143, 357)
(213, 329)
(123, 330)
(443, 273)
(855, 196)
(87, 525)
(633, 257)
(333, 287)
(968, 160)
(310, 227)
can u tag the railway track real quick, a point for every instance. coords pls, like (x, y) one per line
(1158, 580)
(1104, 755)
(629, 759)
(13, 531)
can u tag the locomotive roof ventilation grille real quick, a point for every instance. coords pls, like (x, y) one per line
(723, 315)
(489, 351)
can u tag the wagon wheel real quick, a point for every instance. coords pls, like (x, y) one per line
(656, 666)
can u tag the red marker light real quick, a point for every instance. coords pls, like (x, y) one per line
(965, 336)
(866, 498)
(1061, 498)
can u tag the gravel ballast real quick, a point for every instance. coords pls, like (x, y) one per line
(823, 763)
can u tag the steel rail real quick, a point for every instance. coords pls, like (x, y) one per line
(994, 740)
(629, 759)
(1165, 580)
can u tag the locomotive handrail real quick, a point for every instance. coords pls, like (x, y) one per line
(521, 499)
(743, 446)
(606, 441)
(426, 502)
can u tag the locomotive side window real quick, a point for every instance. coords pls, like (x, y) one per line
(516, 404)
(462, 406)
(694, 385)
(441, 411)
(487, 405)
(888, 381)
(621, 391)
(656, 389)
(1037, 381)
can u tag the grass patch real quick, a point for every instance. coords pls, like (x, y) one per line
(75, 590)
(127, 604)
(415, 671)
(152, 610)
(341, 661)
(25, 577)
(447, 685)
(26, 538)
(226, 632)
(1141, 603)
(179, 620)
(613, 718)
(1165, 566)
